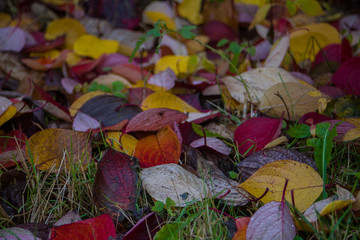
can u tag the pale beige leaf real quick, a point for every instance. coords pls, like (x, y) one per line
(108, 79)
(292, 97)
(172, 181)
(258, 81)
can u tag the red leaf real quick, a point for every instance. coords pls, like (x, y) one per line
(255, 133)
(161, 148)
(85, 66)
(213, 143)
(155, 119)
(131, 72)
(311, 118)
(346, 51)
(145, 228)
(137, 95)
(115, 184)
(9, 148)
(218, 30)
(347, 76)
(99, 228)
(46, 45)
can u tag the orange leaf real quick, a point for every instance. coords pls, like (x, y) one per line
(241, 226)
(161, 148)
(51, 149)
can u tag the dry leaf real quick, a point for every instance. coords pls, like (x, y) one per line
(304, 183)
(174, 182)
(294, 99)
(51, 149)
(122, 142)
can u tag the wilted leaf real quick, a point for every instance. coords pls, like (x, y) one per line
(174, 182)
(51, 149)
(68, 26)
(165, 79)
(83, 122)
(122, 142)
(70, 217)
(131, 72)
(155, 119)
(304, 184)
(278, 52)
(115, 186)
(12, 39)
(271, 221)
(146, 227)
(15, 233)
(294, 99)
(257, 81)
(304, 36)
(161, 148)
(99, 228)
(166, 100)
(91, 46)
(253, 134)
(12, 147)
(213, 143)
(251, 164)
(241, 225)
(137, 95)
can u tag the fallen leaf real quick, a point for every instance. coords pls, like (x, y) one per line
(178, 64)
(155, 119)
(191, 10)
(251, 164)
(271, 221)
(14, 233)
(174, 182)
(12, 39)
(303, 187)
(213, 143)
(146, 227)
(167, 100)
(352, 134)
(161, 148)
(122, 142)
(108, 79)
(76, 105)
(68, 26)
(7, 115)
(13, 148)
(99, 228)
(83, 122)
(165, 79)
(303, 36)
(310, 7)
(115, 187)
(257, 82)
(278, 52)
(51, 149)
(260, 15)
(131, 72)
(347, 75)
(68, 218)
(253, 134)
(91, 46)
(137, 95)
(293, 99)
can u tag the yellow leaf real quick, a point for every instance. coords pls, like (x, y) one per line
(304, 183)
(141, 83)
(155, 16)
(254, 2)
(166, 100)
(191, 10)
(92, 46)
(72, 58)
(122, 142)
(51, 54)
(306, 40)
(76, 105)
(352, 134)
(5, 19)
(68, 26)
(179, 64)
(51, 149)
(7, 115)
(260, 15)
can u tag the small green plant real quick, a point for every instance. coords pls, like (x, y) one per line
(160, 206)
(116, 88)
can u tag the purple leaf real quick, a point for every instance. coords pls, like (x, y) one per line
(213, 143)
(145, 228)
(12, 39)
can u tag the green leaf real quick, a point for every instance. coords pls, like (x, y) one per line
(98, 87)
(251, 50)
(235, 48)
(232, 175)
(158, 207)
(222, 42)
(168, 232)
(291, 7)
(310, 7)
(199, 130)
(138, 44)
(170, 202)
(299, 131)
(117, 86)
(186, 33)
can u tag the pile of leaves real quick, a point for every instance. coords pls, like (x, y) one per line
(197, 119)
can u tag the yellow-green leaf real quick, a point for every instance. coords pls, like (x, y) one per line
(7, 115)
(68, 26)
(306, 41)
(260, 15)
(166, 100)
(304, 183)
(155, 16)
(310, 7)
(122, 142)
(91, 46)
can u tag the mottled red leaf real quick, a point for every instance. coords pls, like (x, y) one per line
(115, 184)
(218, 30)
(253, 134)
(347, 76)
(131, 72)
(85, 66)
(145, 228)
(155, 119)
(213, 143)
(137, 95)
(99, 228)
(9, 151)
(161, 148)
(312, 118)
